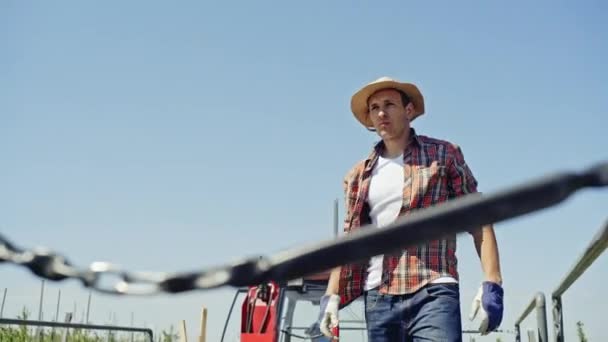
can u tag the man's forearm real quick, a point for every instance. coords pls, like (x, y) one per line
(487, 249)
(333, 282)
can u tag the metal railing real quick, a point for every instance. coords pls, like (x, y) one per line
(594, 250)
(537, 302)
(146, 331)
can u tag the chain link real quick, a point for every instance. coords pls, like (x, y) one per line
(111, 279)
(421, 226)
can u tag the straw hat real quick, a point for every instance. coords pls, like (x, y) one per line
(359, 106)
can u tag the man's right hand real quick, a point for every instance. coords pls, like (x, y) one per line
(329, 314)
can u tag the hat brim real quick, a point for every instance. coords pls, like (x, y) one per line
(359, 105)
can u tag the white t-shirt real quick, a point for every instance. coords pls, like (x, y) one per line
(385, 199)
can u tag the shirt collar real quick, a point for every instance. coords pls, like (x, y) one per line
(379, 147)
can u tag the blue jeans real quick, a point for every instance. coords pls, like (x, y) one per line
(430, 314)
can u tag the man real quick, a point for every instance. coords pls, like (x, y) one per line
(413, 294)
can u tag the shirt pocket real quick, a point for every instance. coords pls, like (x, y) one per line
(429, 185)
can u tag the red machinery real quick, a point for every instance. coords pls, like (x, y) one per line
(267, 310)
(259, 314)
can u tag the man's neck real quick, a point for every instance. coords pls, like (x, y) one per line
(395, 147)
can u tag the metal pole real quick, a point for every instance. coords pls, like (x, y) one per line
(56, 315)
(58, 302)
(3, 299)
(598, 244)
(558, 319)
(88, 306)
(20, 322)
(537, 302)
(336, 218)
(132, 322)
(39, 330)
(66, 331)
(110, 323)
(41, 299)
(291, 308)
(541, 318)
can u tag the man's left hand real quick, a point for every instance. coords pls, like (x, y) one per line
(489, 299)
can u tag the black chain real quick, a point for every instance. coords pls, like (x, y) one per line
(455, 216)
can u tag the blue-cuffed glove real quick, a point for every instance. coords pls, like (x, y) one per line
(489, 299)
(314, 333)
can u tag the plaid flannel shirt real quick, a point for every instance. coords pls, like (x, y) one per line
(434, 172)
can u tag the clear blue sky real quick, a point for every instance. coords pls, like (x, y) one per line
(172, 137)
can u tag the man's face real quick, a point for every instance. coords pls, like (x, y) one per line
(390, 117)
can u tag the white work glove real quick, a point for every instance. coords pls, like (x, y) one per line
(489, 299)
(329, 314)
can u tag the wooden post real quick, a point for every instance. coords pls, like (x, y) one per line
(203, 335)
(182, 332)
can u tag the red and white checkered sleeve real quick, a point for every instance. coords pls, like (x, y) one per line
(462, 181)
